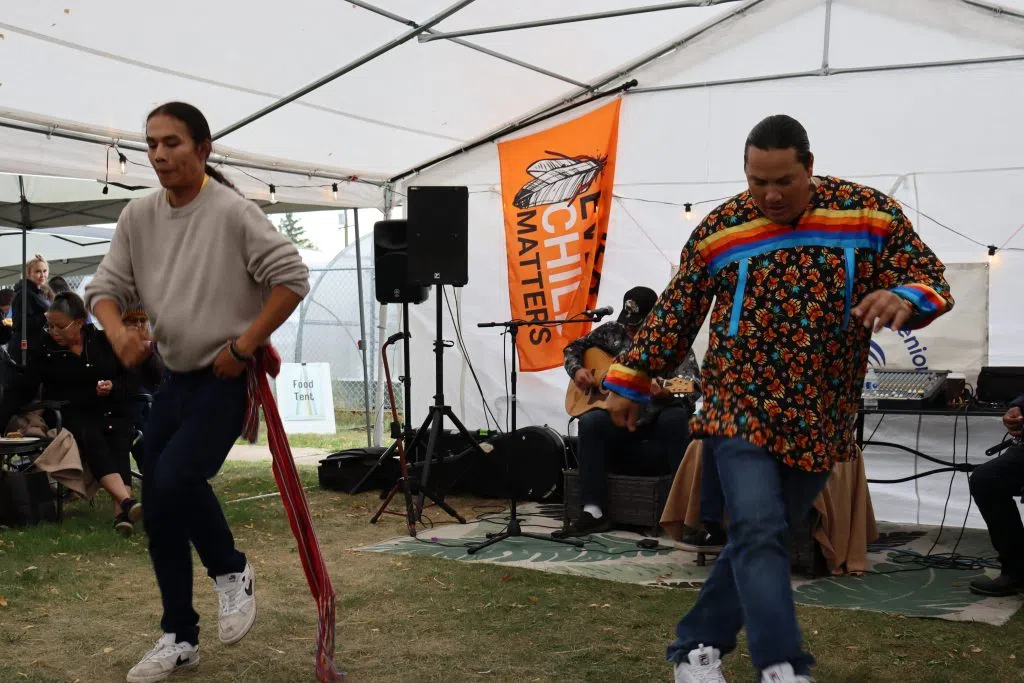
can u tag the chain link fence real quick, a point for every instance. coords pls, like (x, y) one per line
(326, 328)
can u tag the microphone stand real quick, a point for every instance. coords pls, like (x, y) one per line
(514, 528)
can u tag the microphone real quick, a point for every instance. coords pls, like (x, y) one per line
(598, 313)
(1003, 445)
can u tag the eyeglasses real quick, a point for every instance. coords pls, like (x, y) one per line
(51, 329)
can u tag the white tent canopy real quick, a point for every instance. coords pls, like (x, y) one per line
(920, 98)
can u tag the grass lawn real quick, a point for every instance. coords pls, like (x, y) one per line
(350, 432)
(80, 604)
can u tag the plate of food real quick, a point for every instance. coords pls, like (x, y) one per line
(18, 437)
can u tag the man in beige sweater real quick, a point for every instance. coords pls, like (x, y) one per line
(216, 279)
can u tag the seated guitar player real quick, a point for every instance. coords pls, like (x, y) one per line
(655, 448)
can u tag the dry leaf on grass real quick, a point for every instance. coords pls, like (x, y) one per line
(533, 599)
(975, 649)
(3, 601)
(107, 650)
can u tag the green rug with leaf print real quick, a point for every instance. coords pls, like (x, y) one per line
(888, 587)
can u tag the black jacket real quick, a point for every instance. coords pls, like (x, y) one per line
(65, 376)
(37, 307)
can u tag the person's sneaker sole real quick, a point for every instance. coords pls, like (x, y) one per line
(135, 512)
(126, 529)
(163, 676)
(245, 631)
(694, 548)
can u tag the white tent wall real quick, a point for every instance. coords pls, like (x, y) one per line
(943, 140)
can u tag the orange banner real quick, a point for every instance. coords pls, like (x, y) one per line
(556, 191)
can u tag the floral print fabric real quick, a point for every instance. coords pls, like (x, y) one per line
(785, 361)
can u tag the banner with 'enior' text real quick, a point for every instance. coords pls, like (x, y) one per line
(556, 189)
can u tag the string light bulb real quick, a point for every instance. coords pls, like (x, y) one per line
(106, 189)
(124, 162)
(273, 195)
(688, 211)
(334, 190)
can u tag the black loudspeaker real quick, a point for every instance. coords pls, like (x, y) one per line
(391, 265)
(438, 236)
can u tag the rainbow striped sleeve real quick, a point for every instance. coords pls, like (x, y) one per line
(632, 384)
(928, 304)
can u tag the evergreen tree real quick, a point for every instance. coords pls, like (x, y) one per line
(293, 230)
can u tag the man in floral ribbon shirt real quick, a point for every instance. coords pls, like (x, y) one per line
(801, 269)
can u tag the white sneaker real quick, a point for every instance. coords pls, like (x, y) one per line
(163, 660)
(704, 666)
(237, 593)
(783, 673)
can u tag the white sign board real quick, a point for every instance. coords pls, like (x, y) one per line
(305, 398)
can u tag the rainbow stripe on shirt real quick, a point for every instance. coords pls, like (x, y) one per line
(844, 229)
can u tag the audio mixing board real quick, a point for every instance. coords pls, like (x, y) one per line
(910, 389)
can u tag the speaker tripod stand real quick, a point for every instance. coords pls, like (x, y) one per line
(514, 528)
(403, 445)
(403, 481)
(433, 426)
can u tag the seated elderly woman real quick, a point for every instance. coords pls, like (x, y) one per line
(75, 364)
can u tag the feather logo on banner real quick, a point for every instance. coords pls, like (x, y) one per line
(561, 179)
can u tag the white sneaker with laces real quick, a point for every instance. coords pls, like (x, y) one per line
(237, 593)
(704, 665)
(783, 673)
(163, 660)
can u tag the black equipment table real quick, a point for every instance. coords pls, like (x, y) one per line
(966, 412)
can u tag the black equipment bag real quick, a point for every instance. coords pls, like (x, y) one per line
(527, 462)
(25, 499)
(343, 470)
(1000, 385)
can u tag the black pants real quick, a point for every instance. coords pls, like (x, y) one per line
(195, 420)
(993, 487)
(102, 443)
(651, 450)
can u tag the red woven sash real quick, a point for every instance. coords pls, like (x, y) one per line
(268, 362)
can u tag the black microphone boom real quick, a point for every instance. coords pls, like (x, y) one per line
(598, 313)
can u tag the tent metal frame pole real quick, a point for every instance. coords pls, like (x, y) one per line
(425, 38)
(819, 73)
(472, 46)
(994, 8)
(362, 330)
(828, 35)
(591, 90)
(215, 159)
(26, 225)
(337, 73)
(512, 129)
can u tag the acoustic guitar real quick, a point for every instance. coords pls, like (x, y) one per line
(578, 401)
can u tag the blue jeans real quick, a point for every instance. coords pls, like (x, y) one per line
(750, 583)
(194, 422)
(655, 449)
(712, 500)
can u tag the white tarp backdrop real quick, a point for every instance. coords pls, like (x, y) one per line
(919, 98)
